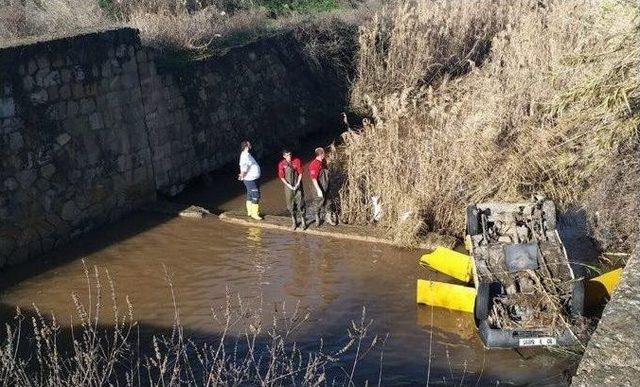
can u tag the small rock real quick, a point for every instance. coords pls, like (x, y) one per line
(194, 212)
(63, 139)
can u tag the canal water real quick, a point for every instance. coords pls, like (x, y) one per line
(332, 279)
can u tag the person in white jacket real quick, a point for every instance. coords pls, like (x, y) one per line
(250, 176)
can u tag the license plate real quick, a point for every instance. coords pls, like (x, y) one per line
(536, 341)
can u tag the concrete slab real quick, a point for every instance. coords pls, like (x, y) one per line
(612, 356)
(342, 231)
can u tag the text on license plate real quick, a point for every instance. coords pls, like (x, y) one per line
(535, 341)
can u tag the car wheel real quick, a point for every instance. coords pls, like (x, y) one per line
(483, 302)
(473, 221)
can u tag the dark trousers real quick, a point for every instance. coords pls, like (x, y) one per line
(322, 204)
(295, 201)
(253, 190)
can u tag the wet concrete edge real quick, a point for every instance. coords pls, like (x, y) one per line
(612, 356)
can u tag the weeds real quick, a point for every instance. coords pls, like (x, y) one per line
(247, 350)
(495, 101)
(175, 25)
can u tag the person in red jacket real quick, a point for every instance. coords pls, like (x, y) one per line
(290, 173)
(319, 174)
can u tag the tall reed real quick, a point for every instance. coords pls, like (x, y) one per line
(498, 100)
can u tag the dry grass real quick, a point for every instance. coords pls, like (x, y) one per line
(176, 25)
(553, 108)
(20, 18)
(38, 351)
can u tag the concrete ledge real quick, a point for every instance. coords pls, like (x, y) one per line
(612, 356)
(343, 231)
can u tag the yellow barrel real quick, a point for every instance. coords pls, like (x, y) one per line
(599, 289)
(444, 295)
(449, 262)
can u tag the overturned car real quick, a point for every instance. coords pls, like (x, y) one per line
(527, 294)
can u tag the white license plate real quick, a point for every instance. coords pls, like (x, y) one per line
(536, 341)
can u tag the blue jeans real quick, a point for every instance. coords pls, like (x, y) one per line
(253, 190)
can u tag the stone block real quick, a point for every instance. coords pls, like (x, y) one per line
(47, 78)
(65, 92)
(32, 67)
(78, 73)
(28, 83)
(72, 109)
(141, 56)
(70, 211)
(15, 141)
(87, 106)
(43, 62)
(130, 66)
(26, 178)
(77, 90)
(47, 171)
(10, 184)
(65, 75)
(7, 107)
(39, 97)
(52, 93)
(95, 121)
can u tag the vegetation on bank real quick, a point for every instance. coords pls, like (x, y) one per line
(476, 101)
(180, 25)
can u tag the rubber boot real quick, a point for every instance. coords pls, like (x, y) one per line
(294, 223)
(303, 221)
(255, 211)
(249, 208)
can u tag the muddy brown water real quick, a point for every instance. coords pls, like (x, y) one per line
(332, 279)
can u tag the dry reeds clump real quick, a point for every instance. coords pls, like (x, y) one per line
(552, 109)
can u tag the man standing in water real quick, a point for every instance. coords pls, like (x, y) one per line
(250, 175)
(320, 179)
(290, 173)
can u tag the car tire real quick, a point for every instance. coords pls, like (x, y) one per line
(482, 304)
(549, 210)
(473, 221)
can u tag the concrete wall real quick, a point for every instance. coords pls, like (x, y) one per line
(612, 357)
(93, 125)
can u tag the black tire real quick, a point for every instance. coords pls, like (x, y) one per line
(576, 305)
(482, 305)
(549, 210)
(473, 220)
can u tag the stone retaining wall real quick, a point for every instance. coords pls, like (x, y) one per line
(93, 125)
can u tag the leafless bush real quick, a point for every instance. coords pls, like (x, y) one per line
(552, 109)
(247, 351)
